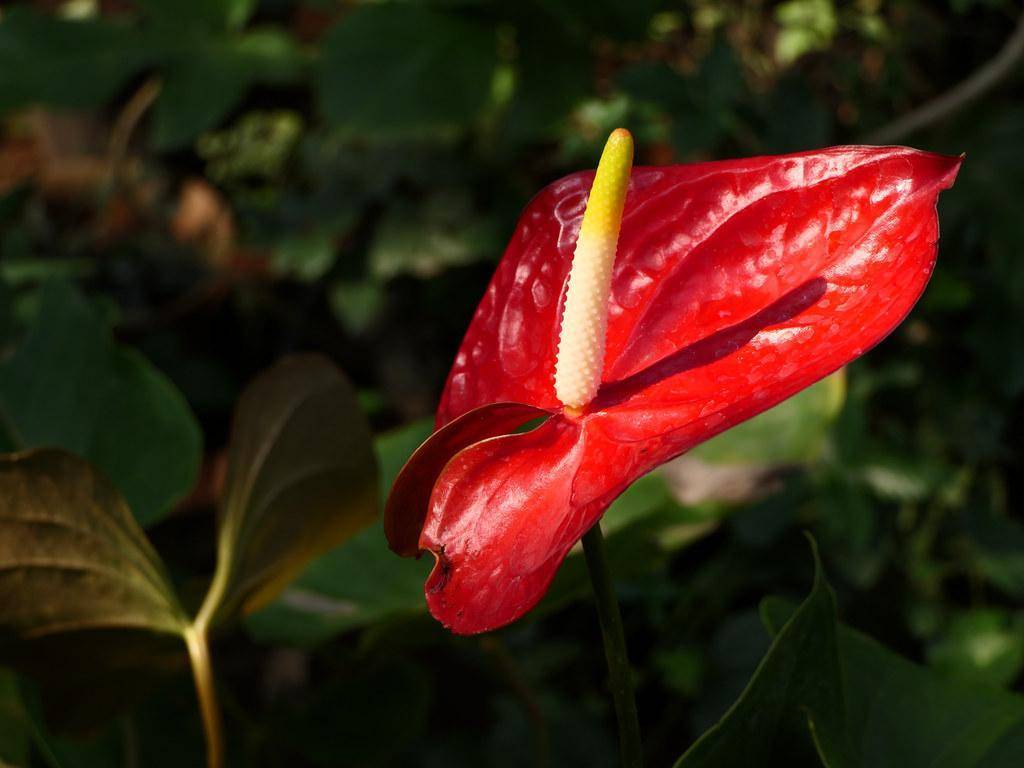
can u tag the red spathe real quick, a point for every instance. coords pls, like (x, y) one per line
(736, 284)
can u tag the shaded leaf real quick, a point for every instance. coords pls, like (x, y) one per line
(901, 714)
(213, 14)
(553, 74)
(70, 386)
(702, 108)
(396, 69)
(207, 78)
(65, 63)
(71, 554)
(88, 676)
(87, 608)
(808, 121)
(302, 478)
(796, 693)
(357, 583)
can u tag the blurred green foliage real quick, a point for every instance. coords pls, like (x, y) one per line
(215, 184)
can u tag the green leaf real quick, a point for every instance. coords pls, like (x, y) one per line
(357, 583)
(792, 432)
(212, 14)
(901, 714)
(398, 69)
(701, 108)
(71, 554)
(70, 386)
(208, 77)
(87, 676)
(302, 478)
(46, 60)
(553, 74)
(793, 704)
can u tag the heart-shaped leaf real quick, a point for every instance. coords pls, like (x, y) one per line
(69, 385)
(793, 706)
(358, 583)
(302, 478)
(902, 714)
(49, 60)
(71, 554)
(435, 68)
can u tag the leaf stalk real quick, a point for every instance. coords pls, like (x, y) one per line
(202, 673)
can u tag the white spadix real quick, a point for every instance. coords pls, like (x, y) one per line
(581, 339)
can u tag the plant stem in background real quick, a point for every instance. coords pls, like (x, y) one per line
(619, 674)
(980, 82)
(202, 672)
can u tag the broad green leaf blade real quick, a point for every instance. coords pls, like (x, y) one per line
(796, 693)
(71, 554)
(404, 69)
(207, 78)
(47, 60)
(70, 386)
(554, 73)
(357, 583)
(793, 432)
(900, 714)
(302, 478)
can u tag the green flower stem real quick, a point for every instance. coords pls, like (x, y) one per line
(202, 672)
(619, 674)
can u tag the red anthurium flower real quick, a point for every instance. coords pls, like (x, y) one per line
(735, 284)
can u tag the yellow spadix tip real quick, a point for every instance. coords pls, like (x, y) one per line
(581, 338)
(608, 193)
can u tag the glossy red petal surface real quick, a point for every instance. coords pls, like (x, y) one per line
(406, 507)
(702, 247)
(737, 284)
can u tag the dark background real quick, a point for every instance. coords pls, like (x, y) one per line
(229, 181)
